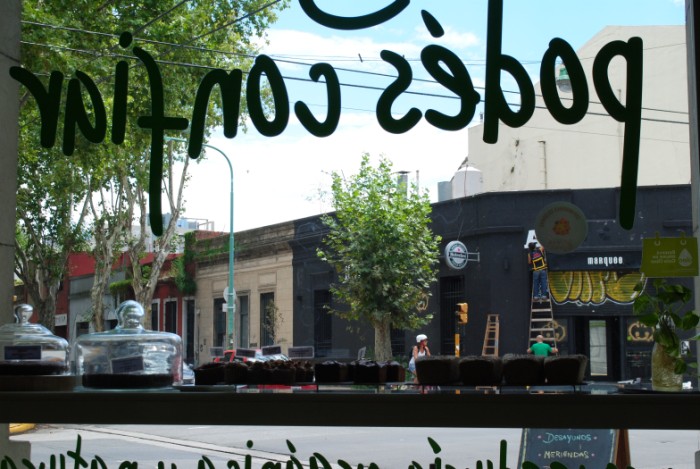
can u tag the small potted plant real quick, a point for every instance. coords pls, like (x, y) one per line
(666, 310)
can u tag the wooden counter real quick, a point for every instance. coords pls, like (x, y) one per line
(447, 409)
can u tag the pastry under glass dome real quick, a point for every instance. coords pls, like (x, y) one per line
(129, 356)
(28, 349)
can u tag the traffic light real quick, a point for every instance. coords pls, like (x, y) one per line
(462, 316)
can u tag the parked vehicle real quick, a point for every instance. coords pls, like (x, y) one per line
(187, 374)
(230, 356)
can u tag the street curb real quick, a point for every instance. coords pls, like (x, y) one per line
(17, 428)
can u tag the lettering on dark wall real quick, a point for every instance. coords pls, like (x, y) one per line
(442, 64)
(606, 260)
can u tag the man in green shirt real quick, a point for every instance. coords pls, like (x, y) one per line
(541, 348)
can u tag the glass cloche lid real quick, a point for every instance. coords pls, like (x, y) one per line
(129, 356)
(31, 349)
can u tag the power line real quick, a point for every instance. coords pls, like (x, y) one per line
(353, 85)
(475, 63)
(143, 40)
(296, 62)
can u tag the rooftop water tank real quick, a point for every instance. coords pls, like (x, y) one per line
(444, 191)
(467, 181)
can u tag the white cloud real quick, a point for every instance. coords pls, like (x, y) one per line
(451, 39)
(278, 179)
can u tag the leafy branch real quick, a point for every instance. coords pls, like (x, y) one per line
(666, 311)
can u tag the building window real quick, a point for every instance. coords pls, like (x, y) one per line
(398, 343)
(219, 322)
(81, 328)
(171, 316)
(267, 319)
(154, 316)
(244, 323)
(323, 323)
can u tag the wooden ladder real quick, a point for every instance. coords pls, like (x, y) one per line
(542, 321)
(491, 336)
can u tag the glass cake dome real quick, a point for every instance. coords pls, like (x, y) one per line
(129, 356)
(31, 349)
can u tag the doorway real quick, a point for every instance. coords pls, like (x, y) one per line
(598, 338)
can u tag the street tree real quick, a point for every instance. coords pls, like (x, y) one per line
(104, 183)
(51, 209)
(145, 277)
(382, 249)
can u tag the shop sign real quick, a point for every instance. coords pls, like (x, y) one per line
(670, 257)
(61, 320)
(456, 255)
(446, 67)
(609, 260)
(561, 227)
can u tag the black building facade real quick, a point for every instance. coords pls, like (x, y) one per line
(591, 288)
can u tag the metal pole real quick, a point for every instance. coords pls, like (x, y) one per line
(231, 300)
(231, 291)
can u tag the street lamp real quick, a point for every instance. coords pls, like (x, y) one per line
(231, 308)
(563, 81)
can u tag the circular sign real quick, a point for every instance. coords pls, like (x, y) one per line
(561, 227)
(456, 255)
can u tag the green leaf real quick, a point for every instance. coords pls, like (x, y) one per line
(679, 367)
(690, 320)
(650, 320)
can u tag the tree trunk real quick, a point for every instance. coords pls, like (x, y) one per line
(103, 270)
(41, 288)
(98, 279)
(382, 339)
(145, 287)
(111, 220)
(47, 307)
(42, 251)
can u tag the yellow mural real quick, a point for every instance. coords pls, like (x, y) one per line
(638, 332)
(559, 330)
(594, 287)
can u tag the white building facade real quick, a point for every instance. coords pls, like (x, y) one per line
(545, 154)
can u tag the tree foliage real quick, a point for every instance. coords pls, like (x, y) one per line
(666, 310)
(101, 188)
(383, 250)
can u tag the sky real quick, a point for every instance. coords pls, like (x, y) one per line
(282, 178)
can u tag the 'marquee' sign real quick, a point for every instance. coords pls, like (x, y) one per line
(441, 63)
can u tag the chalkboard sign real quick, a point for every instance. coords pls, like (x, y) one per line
(572, 447)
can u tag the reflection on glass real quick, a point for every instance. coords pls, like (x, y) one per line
(598, 348)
